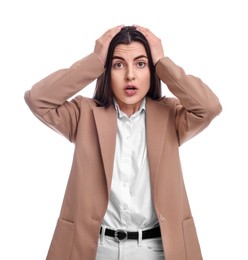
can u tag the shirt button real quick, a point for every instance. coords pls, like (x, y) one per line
(125, 207)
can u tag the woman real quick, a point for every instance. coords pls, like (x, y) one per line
(125, 197)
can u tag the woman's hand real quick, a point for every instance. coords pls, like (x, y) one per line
(155, 43)
(102, 43)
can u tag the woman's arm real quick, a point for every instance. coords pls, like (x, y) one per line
(48, 99)
(197, 105)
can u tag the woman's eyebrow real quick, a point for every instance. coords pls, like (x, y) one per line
(118, 58)
(136, 58)
(140, 56)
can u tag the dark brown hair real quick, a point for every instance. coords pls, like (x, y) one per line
(103, 92)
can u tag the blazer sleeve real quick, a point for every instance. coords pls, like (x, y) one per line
(196, 104)
(48, 98)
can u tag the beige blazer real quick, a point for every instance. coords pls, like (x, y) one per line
(169, 121)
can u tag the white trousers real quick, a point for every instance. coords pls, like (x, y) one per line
(147, 249)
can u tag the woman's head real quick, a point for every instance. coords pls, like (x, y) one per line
(128, 62)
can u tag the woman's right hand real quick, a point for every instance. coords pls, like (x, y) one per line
(102, 43)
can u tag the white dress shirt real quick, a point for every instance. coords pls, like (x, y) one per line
(130, 205)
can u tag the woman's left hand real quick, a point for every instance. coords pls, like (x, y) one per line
(155, 43)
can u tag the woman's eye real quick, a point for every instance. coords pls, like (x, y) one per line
(118, 65)
(141, 64)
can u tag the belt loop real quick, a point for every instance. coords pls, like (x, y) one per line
(140, 240)
(102, 235)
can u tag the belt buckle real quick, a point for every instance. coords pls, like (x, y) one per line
(120, 235)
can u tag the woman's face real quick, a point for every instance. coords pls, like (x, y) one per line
(130, 76)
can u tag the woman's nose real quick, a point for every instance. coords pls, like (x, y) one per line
(130, 74)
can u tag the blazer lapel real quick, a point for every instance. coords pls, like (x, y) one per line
(106, 124)
(156, 123)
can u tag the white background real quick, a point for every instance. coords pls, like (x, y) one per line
(207, 38)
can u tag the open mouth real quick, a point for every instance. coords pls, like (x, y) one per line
(130, 90)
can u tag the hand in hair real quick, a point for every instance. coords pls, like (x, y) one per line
(102, 43)
(155, 43)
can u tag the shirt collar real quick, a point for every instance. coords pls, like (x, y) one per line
(121, 114)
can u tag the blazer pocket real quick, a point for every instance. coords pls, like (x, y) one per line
(62, 241)
(191, 242)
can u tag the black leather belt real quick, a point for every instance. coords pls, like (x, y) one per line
(121, 235)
